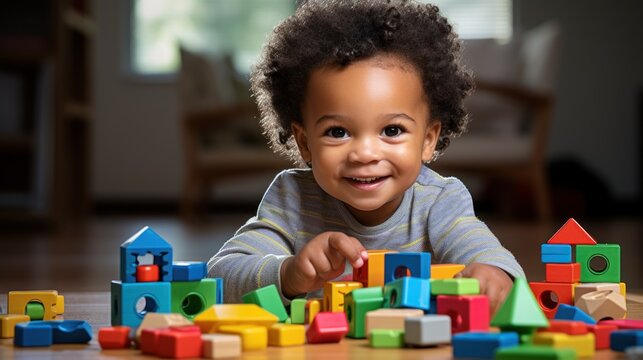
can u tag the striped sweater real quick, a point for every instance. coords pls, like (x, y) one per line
(436, 215)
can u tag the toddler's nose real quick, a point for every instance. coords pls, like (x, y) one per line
(365, 150)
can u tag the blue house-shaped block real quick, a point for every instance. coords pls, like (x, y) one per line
(144, 242)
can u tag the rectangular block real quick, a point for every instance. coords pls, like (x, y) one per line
(298, 311)
(390, 319)
(460, 286)
(415, 264)
(189, 270)
(155, 297)
(555, 254)
(408, 292)
(334, 293)
(445, 271)
(233, 314)
(481, 345)
(8, 323)
(286, 335)
(358, 303)
(17, 302)
(562, 273)
(384, 338)
(190, 298)
(220, 346)
(583, 344)
(253, 337)
(371, 274)
(599, 263)
(427, 330)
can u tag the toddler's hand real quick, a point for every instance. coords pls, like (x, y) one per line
(321, 260)
(494, 282)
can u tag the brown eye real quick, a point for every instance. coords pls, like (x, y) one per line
(337, 132)
(392, 131)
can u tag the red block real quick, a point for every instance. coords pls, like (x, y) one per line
(571, 233)
(550, 295)
(562, 273)
(601, 335)
(361, 274)
(624, 324)
(147, 273)
(568, 327)
(467, 312)
(186, 328)
(327, 327)
(149, 340)
(114, 337)
(179, 344)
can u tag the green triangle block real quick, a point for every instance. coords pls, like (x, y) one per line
(520, 311)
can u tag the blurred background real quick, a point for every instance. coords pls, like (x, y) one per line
(119, 114)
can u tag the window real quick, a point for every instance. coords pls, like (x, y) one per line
(478, 19)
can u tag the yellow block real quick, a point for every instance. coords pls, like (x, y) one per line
(375, 265)
(17, 302)
(313, 306)
(233, 314)
(8, 324)
(623, 289)
(334, 292)
(286, 335)
(253, 337)
(445, 271)
(583, 344)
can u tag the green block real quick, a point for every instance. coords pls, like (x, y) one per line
(385, 338)
(356, 304)
(190, 298)
(535, 352)
(268, 298)
(298, 311)
(520, 311)
(288, 321)
(599, 263)
(35, 310)
(460, 286)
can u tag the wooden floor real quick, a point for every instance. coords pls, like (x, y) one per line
(85, 257)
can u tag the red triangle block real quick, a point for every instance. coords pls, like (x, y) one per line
(573, 234)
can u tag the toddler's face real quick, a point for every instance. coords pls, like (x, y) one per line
(366, 130)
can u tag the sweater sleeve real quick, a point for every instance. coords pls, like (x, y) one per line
(458, 236)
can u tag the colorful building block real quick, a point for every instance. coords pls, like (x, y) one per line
(327, 327)
(583, 344)
(573, 234)
(114, 337)
(415, 264)
(160, 321)
(53, 304)
(144, 242)
(298, 311)
(313, 307)
(427, 330)
(233, 314)
(385, 338)
(562, 273)
(599, 263)
(622, 339)
(147, 273)
(555, 254)
(569, 312)
(335, 291)
(149, 339)
(356, 304)
(389, 319)
(551, 295)
(179, 344)
(408, 292)
(467, 312)
(219, 282)
(605, 304)
(460, 286)
(253, 337)
(445, 271)
(569, 327)
(625, 324)
(189, 270)
(601, 335)
(482, 345)
(371, 274)
(60, 332)
(520, 312)
(131, 301)
(8, 323)
(35, 310)
(526, 352)
(220, 346)
(286, 335)
(584, 288)
(32, 336)
(189, 298)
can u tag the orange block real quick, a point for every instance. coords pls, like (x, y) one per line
(550, 295)
(571, 233)
(562, 273)
(372, 272)
(445, 271)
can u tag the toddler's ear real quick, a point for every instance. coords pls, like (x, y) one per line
(431, 139)
(302, 141)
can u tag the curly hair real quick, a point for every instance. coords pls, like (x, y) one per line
(340, 32)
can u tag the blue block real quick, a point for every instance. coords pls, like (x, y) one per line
(146, 241)
(568, 312)
(623, 339)
(125, 296)
(419, 263)
(408, 292)
(30, 335)
(189, 270)
(479, 345)
(67, 331)
(219, 290)
(555, 254)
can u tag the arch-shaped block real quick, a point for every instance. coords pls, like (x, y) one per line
(417, 263)
(144, 242)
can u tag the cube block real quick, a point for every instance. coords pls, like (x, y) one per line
(408, 292)
(599, 263)
(427, 330)
(415, 264)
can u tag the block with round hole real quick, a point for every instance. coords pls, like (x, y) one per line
(52, 303)
(467, 312)
(356, 304)
(599, 263)
(415, 264)
(603, 304)
(190, 298)
(334, 293)
(408, 292)
(131, 301)
(551, 295)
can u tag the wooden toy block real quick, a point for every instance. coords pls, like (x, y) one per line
(445, 271)
(268, 298)
(535, 352)
(562, 273)
(253, 337)
(159, 321)
(384, 338)
(551, 295)
(131, 301)
(460, 286)
(427, 330)
(233, 314)
(573, 234)
(569, 312)
(623, 339)
(467, 312)
(583, 344)
(569, 327)
(389, 319)
(482, 345)
(32, 336)
(189, 298)
(625, 324)
(584, 288)
(8, 323)
(520, 312)
(286, 335)
(144, 242)
(334, 293)
(179, 344)
(149, 339)
(298, 311)
(114, 337)
(189, 270)
(555, 254)
(604, 304)
(408, 292)
(327, 327)
(147, 273)
(415, 264)
(219, 346)
(313, 307)
(599, 263)
(17, 302)
(601, 335)
(35, 310)
(62, 331)
(359, 302)
(371, 274)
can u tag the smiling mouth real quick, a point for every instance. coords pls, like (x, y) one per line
(367, 180)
